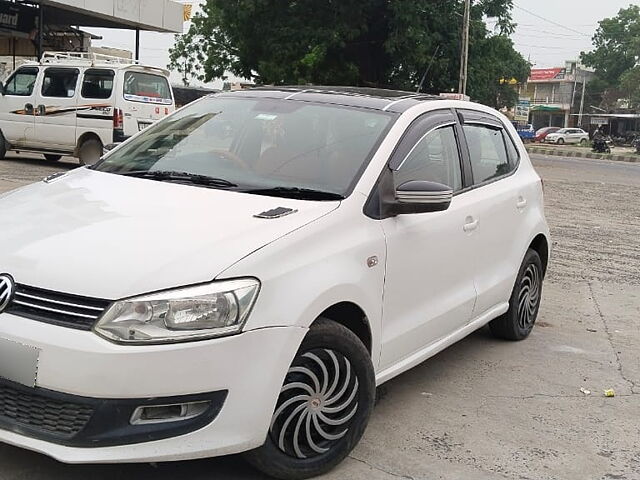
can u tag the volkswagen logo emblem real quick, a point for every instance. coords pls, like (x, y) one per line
(7, 288)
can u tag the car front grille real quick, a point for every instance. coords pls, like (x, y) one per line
(57, 308)
(26, 409)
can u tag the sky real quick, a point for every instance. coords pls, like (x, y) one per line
(548, 32)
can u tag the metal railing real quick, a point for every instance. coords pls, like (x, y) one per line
(86, 57)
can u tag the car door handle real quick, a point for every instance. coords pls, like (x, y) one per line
(42, 110)
(521, 203)
(471, 224)
(28, 109)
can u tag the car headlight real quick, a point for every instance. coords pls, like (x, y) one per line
(192, 313)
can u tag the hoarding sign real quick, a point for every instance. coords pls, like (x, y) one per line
(522, 109)
(599, 121)
(547, 74)
(18, 18)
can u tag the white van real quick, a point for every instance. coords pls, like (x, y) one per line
(76, 103)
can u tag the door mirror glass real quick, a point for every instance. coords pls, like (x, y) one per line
(418, 196)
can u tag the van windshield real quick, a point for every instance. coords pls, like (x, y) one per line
(258, 144)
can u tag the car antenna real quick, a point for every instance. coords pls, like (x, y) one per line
(424, 77)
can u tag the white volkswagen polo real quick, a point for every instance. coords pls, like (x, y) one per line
(241, 276)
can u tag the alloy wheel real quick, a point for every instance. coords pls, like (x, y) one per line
(529, 297)
(317, 402)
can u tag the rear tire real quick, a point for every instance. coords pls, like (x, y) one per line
(323, 408)
(524, 303)
(90, 151)
(52, 158)
(3, 146)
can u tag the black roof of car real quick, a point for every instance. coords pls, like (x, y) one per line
(395, 101)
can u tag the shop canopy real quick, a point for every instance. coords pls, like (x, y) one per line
(545, 108)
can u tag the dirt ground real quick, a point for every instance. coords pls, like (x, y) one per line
(488, 409)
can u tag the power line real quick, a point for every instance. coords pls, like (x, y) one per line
(551, 21)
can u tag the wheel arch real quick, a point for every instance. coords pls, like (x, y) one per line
(540, 244)
(352, 317)
(83, 138)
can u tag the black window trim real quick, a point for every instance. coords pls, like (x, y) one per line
(92, 70)
(493, 122)
(73, 69)
(22, 70)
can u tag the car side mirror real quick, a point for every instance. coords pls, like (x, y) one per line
(422, 197)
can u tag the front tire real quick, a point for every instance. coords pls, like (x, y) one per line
(583, 142)
(524, 303)
(323, 408)
(560, 141)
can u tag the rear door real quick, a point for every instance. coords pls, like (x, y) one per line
(55, 110)
(17, 121)
(499, 204)
(147, 97)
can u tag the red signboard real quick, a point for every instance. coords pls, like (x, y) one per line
(541, 74)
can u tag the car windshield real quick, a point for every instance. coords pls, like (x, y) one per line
(256, 145)
(563, 130)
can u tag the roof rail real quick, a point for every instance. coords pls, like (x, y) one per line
(85, 57)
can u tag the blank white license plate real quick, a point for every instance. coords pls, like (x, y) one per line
(18, 362)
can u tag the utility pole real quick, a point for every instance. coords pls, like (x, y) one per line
(464, 54)
(584, 85)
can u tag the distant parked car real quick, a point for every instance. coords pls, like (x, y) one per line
(568, 135)
(541, 134)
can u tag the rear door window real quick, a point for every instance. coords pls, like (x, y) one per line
(488, 152)
(98, 83)
(147, 88)
(60, 82)
(22, 82)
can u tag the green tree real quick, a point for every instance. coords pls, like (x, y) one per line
(615, 54)
(381, 43)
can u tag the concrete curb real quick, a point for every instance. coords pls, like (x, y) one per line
(578, 154)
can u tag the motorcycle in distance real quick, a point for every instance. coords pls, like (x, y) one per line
(601, 143)
(636, 143)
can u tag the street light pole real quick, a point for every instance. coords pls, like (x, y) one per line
(464, 54)
(584, 85)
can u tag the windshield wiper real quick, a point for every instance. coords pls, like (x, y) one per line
(296, 192)
(171, 176)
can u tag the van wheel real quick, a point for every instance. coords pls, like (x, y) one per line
(51, 157)
(524, 303)
(90, 151)
(3, 146)
(323, 408)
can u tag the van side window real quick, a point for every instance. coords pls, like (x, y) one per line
(60, 82)
(487, 152)
(97, 83)
(22, 82)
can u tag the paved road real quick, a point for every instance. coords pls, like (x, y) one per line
(487, 409)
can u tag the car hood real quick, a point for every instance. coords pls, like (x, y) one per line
(108, 236)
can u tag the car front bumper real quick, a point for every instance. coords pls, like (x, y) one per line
(240, 375)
